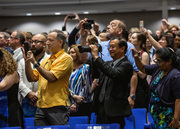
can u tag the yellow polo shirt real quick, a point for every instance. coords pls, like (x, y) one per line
(55, 93)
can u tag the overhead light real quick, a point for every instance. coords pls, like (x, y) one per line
(85, 12)
(28, 14)
(173, 8)
(57, 13)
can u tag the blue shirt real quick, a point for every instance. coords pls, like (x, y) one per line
(9, 50)
(107, 57)
(4, 107)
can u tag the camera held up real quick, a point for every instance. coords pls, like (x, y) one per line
(88, 25)
(88, 49)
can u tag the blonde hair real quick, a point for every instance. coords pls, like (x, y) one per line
(8, 65)
(134, 30)
(173, 26)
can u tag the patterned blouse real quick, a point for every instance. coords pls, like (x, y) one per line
(80, 83)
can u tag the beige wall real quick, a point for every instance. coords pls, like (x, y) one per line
(152, 20)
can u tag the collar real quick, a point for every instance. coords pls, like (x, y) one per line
(17, 50)
(116, 61)
(57, 54)
(152, 49)
(41, 57)
(18, 55)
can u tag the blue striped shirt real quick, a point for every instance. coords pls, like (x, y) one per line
(80, 83)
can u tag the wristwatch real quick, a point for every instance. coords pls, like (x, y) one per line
(132, 96)
(36, 65)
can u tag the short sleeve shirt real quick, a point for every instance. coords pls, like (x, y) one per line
(55, 93)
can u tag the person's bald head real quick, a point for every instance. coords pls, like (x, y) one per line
(38, 44)
(116, 28)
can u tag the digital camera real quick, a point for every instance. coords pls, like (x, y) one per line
(88, 49)
(88, 25)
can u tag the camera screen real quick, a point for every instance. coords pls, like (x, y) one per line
(71, 16)
(90, 21)
(87, 26)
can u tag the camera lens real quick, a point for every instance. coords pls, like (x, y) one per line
(88, 49)
(84, 49)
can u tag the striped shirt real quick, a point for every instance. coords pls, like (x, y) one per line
(80, 83)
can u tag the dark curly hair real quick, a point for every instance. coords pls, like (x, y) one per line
(7, 63)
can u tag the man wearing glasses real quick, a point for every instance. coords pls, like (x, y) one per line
(28, 90)
(16, 41)
(118, 28)
(114, 77)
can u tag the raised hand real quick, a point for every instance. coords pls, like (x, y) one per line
(76, 17)
(84, 32)
(96, 27)
(134, 52)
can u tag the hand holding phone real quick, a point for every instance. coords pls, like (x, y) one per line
(132, 52)
(26, 47)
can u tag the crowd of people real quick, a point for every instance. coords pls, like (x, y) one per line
(108, 72)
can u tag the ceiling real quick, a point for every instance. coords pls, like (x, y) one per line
(49, 7)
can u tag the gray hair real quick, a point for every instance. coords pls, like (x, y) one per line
(60, 36)
(6, 35)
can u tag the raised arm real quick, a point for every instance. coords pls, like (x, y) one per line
(139, 64)
(164, 25)
(84, 56)
(28, 69)
(72, 35)
(151, 39)
(65, 21)
(48, 75)
(145, 61)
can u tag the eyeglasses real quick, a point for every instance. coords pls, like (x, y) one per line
(36, 41)
(13, 37)
(158, 62)
(111, 46)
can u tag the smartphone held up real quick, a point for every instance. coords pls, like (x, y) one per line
(71, 16)
(26, 47)
(141, 25)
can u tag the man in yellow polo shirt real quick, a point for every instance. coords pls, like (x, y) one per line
(53, 76)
